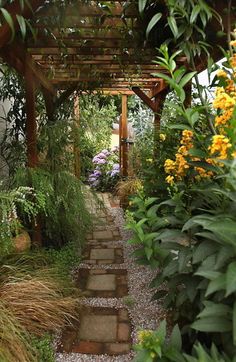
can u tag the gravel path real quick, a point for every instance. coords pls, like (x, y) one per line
(144, 313)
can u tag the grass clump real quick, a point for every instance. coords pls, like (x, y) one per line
(36, 298)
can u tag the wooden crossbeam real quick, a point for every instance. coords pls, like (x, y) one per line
(151, 104)
(18, 57)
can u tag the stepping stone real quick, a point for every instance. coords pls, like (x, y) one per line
(100, 331)
(103, 283)
(102, 254)
(98, 328)
(103, 235)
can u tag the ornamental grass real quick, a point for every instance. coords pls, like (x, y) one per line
(32, 302)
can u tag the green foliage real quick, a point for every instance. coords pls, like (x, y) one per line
(155, 346)
(44, 348)
(65, 217)
(13, 203)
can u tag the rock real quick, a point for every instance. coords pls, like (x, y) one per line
(21, 242)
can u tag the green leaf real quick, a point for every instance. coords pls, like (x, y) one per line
(194, 14)
(179, 126)
(141, 5)
(9, 21)
(173, 26)
(234, 323)
(175, 338)
(160, 294)
(216, 285)
(148, 252)
(214, 324)
(22, 25)
(225, 229)
(153, 22)
(215, 309)
(203, 250)
(209, 274)
(186, 78)
(197, 153)
(231, 279)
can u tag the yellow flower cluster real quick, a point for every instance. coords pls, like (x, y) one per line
(223, 100)
(220, 146)
(142, 335)
(177, 169)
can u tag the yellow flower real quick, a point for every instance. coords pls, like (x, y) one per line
(162, 136)
(233, 43)
(169, 166)
(142, 335)
(170, 180)
(224, 118)
(220, 145)
(221, 73)
(233, 154)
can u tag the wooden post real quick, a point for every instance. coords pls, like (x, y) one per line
(31, 138)
(31, 124)
(124, 135)
(76, 147)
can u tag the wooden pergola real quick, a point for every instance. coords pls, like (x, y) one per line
(84, 46)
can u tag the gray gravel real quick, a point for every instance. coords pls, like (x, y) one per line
(144, 313)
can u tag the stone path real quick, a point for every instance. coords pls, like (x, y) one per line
(101, 330)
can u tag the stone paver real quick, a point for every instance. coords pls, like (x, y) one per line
(102, 282)
(103, 235)
(98, 328)
(102, 254)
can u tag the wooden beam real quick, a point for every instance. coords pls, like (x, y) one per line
(151, 104)
(15, 9)
(158, 88)
(17, 56)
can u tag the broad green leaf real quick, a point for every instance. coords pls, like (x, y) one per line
(157, 281)
(148, 252)
(205, 249)
(224, 254)
(225, 229)
(22, 25)
(197, 153)
(141, 5)
(175, 338)
(152, 211)
(179, 126)
(214, 324)
(9, 21)
(173, 26)
(186, 78)
(215, 309)
(234, 323)
(209, 274)
(194, 14)
(231, 279)
(216, 285)
(153, 22)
